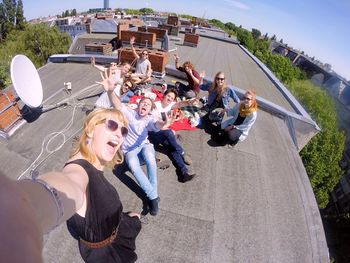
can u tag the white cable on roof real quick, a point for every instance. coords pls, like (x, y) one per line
(33, 166)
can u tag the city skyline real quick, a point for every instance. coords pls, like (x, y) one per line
(320, 29)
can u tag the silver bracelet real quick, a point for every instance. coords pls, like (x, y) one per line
(56, 198)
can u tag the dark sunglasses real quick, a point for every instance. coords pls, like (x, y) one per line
(144, 53)
(246, 98)
(112, 126)
(126, 85)
(222, 79)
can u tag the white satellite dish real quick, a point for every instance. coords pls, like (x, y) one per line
(26, 81)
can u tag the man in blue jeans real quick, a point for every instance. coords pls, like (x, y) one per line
(166, 137)
(136, 146)
(168, 140)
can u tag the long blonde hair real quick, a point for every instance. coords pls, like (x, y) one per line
(214, 86)
(94, 118)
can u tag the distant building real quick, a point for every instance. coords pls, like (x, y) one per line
(339, 89)
(106, 4)
(73, 26)
(64, 21)
(319, 73)
(73, 30)
(328, 67)
(340, 196)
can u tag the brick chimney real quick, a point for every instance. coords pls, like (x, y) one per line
(88, 28)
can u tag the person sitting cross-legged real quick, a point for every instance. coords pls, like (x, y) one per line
(243, 114)
(166, 136)
(193, 78)
(219, 96)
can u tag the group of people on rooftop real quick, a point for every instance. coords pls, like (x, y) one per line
(114, 132)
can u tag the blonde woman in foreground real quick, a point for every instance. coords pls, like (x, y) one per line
(80, 194)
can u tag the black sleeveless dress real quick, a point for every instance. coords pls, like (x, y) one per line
(103, 215)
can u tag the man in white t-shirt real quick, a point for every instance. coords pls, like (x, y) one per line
(166, 137)
(136, 146)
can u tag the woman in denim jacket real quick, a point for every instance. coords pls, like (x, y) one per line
(219, 95)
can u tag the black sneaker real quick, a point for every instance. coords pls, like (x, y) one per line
(187, 177)
(220, 139)
(154, 206)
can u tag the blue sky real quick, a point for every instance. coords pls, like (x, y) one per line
(319, 28)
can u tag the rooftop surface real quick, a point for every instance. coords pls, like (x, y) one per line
(251, 203)
(212, 56)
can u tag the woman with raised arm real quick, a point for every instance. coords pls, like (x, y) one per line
(80, 193)
(143, 68)
(219, 95)
(193, 78)
(120, 74)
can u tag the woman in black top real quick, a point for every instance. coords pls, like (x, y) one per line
(80, 192)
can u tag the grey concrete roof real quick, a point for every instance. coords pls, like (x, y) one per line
(213, 56)
(79, 42)
(104, 26)
(252, 203)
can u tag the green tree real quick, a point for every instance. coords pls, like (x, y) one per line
(274, 37)
(283, 68)
(217, 23)
(245, 38)
(262, 45)
(261, 50)
(147, 11)
(132, 11)
(230, 26)
(256, 33)
(324, 151)
(74, 12)
(20, 20)
(7, 17)
(37, 41)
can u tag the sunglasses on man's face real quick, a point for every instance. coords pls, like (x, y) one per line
(112, 126)
(128, 86)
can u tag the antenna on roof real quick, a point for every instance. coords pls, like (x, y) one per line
(27, 84)
(26, 81)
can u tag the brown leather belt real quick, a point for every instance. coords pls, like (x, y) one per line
(102, 243)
